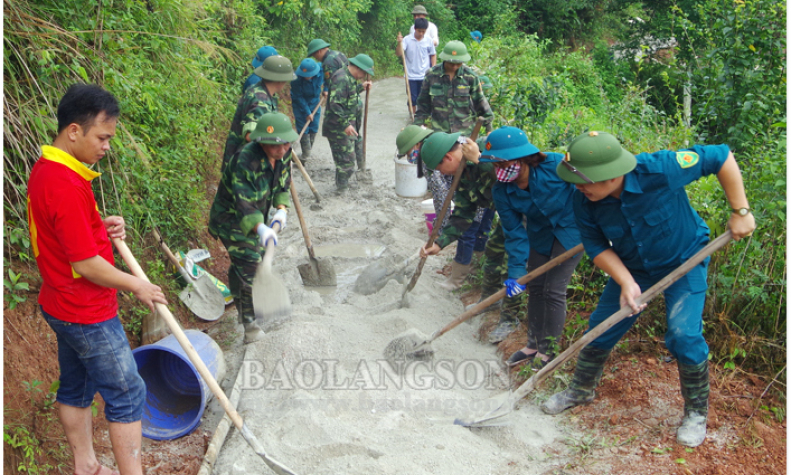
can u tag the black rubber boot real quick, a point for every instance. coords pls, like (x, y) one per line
(307, 146)
(590, 365)
(695, 391)
(509, 319)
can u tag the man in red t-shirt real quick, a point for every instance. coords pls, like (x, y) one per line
(71, 243)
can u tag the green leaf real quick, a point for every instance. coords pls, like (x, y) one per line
(681, 461)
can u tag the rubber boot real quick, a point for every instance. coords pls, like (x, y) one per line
(509, 319)
(486, 292)
(590, 365)
(307, 146)
(458, 272)
(252, 332)
(695, 391)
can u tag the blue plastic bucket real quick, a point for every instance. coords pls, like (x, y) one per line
(176, 395)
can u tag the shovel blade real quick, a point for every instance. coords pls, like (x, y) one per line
(204, 299)
(270, 296)
(318, 273)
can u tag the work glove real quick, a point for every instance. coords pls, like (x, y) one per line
(280, 217)
(513, 288)
(266, 234)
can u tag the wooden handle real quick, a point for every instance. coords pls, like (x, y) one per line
(441, 216)
(408, 90)
(302, 223)
(305, 175)
(307, 122)
(501, 293)
(365, 122)
(624, 312)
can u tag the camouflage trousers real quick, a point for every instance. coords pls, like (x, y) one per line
(587, 374)
(694, 380)
(346, 151)
(245, 256)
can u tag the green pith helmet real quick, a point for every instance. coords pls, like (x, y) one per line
(455, 52)
(364, 62)
(316, 45)
(597, 155)
(485, 82)
(410, 136)
(276, 69)
(273, 128)
(436, 146)
(419, 10)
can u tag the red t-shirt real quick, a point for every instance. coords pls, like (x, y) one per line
(65, 227)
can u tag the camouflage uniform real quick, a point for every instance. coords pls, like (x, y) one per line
(344, 108)
(255, 102)
(454, 105)
(248, 188)
(333, 61)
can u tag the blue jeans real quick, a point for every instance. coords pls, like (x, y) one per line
(474, 238)
(97, 357)
(684, 301)
(414, 90)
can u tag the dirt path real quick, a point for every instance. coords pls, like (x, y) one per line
(319, 397)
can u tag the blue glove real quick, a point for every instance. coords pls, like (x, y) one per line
(266, 234)
(279, 217)
(513, 288)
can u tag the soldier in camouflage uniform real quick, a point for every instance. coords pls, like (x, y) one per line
(256, 179)
(451, 94)
(343, 117)
(330, 60)
(442, 152)
(256, 101)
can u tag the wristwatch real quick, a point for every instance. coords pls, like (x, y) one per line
(741, 211)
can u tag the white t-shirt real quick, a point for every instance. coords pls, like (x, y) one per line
(417, 54)
(431, 32)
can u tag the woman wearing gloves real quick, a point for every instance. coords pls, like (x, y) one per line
(256, 179)
(536, 213)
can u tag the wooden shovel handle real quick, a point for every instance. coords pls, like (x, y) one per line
(307, 122)
(624, 312)
(200, 366)
(305, 175)
(445, 205)
(501, 293)
(408, 91)
(302, 224)
(365, 121)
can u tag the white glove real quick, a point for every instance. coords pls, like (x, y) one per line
(266, 233)
(279, 217)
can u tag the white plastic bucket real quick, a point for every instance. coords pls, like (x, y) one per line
(407, 184)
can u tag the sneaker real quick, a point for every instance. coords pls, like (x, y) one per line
(502, 331)
(692, 431)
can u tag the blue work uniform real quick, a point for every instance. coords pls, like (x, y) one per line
(254, 78)
(653, 229)
(534, 218)
(305, 96)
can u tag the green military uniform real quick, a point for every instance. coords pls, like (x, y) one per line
(453, 105)
(333, 61)
(344, 108)
(248, 188)
(254, 103)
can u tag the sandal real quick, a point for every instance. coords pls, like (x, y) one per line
(107, 471)
(520, 357)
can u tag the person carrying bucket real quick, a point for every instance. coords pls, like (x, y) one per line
(536, 214)
(256, 179)
(71, 243)
(637, 225)
(305, 96)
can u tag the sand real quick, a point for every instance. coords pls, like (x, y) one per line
(319, 395)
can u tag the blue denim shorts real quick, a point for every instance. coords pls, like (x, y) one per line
(97, 357)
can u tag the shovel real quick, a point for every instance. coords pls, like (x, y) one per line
(507, 401)
(441, 216)
(200, 366)
(200, 295)
(316, 272)
(415, 346)
(364, 173)
(376, 275)
(270, 295)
